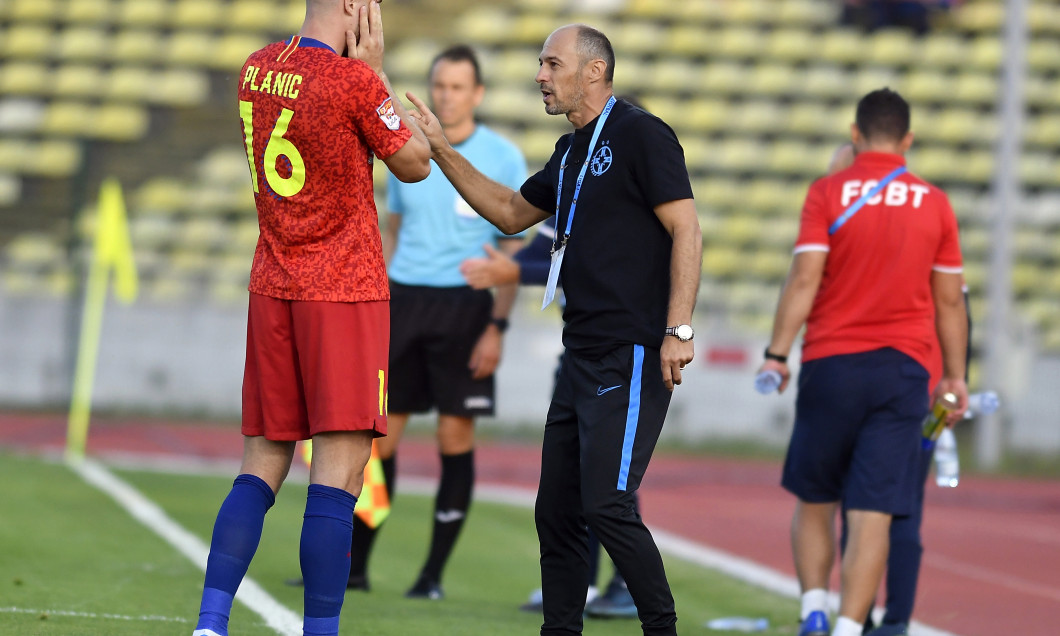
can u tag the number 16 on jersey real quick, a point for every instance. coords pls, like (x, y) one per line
(277, 147)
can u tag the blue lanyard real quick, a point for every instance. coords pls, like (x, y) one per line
(581, 174)
(857, 205)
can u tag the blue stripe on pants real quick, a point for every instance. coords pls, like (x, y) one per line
(632, 416)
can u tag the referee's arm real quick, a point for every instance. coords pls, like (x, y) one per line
(497, 203)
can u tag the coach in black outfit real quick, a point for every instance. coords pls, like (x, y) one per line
(630, 245)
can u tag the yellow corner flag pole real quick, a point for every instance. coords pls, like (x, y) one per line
(373, 506)
(111, 250)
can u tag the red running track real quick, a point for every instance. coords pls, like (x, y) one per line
(992, 546)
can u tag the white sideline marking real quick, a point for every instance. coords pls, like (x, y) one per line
(737, 567)
(119, 617)
(275, 615)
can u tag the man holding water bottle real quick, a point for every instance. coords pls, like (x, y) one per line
(876, 277)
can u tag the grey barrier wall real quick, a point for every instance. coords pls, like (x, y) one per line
(187, 360)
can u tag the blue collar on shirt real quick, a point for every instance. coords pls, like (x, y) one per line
(311, 43)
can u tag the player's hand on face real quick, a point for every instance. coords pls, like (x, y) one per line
(496, 269)
(428, 123)
(674, 355)
(369, 46)
(487, 353)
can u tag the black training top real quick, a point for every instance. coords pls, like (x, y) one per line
(616, 270)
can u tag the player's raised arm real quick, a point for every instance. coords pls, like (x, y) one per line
(411, 162)
(495, 202)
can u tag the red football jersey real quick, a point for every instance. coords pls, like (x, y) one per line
(876, 288)
(312, 121)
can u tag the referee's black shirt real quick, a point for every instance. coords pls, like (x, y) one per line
(616, 270)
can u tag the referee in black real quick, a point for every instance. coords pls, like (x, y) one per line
(627, 251)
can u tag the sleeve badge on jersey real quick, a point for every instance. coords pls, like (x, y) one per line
(389, 115)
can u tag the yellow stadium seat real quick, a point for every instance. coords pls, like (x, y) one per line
(753, 12)
(225, 165)
(722, 78)
(168, 288)
(54, 158)
(120, 122)
(411, 59)
(1044, 17)
(759, 117)
(19, 115)
(927, 85)
(129, 83)
(35, 249)
(722, 262)
(699, 153)
(674, 75)
(244, 236)
(137, 46)
(232, 50)
(87, 11)
(770, 266)
(532, 28)
(980, 16)
(964, 125)
(772, 79)
(986, 52)
(944, 50)
(250, 15)
(805, 12)
(68, 118)
(34, 10)
(1043, 54)
(977, 88)
(633, 75)
(895, 47)
(740, 43)
(739, 154)
(12, 150)
(825, 81)
(841, 45)
(1043, 130)
(692, 40)
(198, 14)
(161, 196)
(144, 12)
(794, 157)
(874, 78)
(77, 80)
(179, 87)
(24, 78)
(27, 41)
(151, 233)
(1039, 169)
(204, 233)
(190, 48)
(83, 44)
(485, 24)
(792, 45)
(705, 114)
(765, 196)
(716, 192)
(633, 38)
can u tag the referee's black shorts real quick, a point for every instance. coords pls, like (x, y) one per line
(432, 333)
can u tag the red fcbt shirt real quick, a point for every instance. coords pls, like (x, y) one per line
(876, 288)
(312, 121)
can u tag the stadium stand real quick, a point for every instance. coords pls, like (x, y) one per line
(760, 93)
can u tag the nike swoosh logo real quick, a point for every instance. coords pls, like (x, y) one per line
(448, 516)
(600, 390)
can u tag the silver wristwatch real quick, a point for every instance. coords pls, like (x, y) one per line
(684, 333)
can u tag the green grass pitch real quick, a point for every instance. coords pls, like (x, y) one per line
(73, 563)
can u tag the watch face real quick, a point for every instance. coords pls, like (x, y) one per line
(684, 332)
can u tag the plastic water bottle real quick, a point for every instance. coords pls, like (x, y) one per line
(947, 465)
(767, 381)
(739, 624)
(983, 403)
(935, 421)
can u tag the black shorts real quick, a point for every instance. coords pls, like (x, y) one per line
(432, 333)
(857, 431)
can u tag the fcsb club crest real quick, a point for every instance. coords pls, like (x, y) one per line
(601, 161)
(389, 115)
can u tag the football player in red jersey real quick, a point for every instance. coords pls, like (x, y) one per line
(315, 110)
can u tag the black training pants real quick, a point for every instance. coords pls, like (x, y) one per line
(602, 426)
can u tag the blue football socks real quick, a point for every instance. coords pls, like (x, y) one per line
(236, 534)
(324, 553)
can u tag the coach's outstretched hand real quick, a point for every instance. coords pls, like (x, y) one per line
(367, 46)
(428, 123)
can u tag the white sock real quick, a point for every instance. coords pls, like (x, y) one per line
(847, 627)
(812, 601)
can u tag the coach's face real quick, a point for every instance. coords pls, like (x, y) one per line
(454, 92)
(561, 73)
